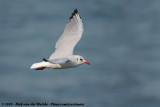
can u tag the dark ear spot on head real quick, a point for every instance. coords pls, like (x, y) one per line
(77, 59)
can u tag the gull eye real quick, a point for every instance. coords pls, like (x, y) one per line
(81, 59)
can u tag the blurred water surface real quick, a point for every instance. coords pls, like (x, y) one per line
(121, 41)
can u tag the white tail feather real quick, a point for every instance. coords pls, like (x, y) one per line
(38, 65)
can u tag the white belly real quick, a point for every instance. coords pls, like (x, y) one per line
(59, 66)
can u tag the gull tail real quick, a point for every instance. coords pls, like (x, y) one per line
(38, 66)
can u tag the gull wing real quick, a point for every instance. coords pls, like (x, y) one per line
(57, 61)
(70, 37)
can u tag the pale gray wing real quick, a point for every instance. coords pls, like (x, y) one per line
(70, 37)
(57, 61)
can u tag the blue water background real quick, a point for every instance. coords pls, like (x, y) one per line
(121, 40)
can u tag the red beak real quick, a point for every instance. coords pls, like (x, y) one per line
(87, 63)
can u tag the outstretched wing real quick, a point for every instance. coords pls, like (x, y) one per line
(57, 61)
(70, 37)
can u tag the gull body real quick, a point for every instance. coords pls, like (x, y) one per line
(63, 56)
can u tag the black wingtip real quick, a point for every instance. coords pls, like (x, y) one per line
(45, 60)
(74, 12)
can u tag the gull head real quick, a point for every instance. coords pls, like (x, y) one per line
(81, 60)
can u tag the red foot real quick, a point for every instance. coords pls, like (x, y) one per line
(40, 68)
